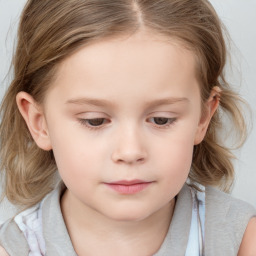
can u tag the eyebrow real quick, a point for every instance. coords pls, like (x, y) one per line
(166, 101)
(90, 101)
(107, 103)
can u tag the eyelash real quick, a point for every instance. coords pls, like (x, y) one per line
(85, 122)
(170, 122)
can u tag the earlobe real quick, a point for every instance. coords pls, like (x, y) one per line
(210, 108)
(35, 119)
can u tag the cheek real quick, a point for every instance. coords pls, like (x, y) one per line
(178, 148)
(177, 173)
(78, 168)
(175, 159)
(73, 153)
(178, 159)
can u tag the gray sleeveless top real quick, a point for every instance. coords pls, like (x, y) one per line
(226, 219)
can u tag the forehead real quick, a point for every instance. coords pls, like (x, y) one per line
(142, 62)
(143, 46)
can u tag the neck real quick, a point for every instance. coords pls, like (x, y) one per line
(90, 231)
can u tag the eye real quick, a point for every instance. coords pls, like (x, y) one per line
(162, 121)
(94, 122)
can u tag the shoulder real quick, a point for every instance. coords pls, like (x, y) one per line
(248, 245)
(3, 251)
(230, 207)
(12, 239)
(226, 221)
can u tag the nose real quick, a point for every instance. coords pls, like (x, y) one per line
(129, 148)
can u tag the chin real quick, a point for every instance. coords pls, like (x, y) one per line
(128, 216)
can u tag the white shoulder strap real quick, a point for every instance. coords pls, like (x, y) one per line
(30, 223)
(195, 245)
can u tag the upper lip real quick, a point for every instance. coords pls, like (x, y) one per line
(128, 182)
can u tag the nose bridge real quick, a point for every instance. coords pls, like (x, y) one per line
(130, 146)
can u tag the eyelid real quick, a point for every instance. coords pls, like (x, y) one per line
(170, 116)
(169, 119)
(84, 122)
(92, 115)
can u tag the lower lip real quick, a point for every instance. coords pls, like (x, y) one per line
(129, 189)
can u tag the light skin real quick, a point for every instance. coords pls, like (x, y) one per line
(121, 109)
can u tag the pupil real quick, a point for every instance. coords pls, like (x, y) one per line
(96, 121)
(161, 120)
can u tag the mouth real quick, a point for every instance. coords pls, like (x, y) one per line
(128, 186)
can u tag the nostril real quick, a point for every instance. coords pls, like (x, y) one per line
(129, 160)
(141, 160)
(129, 155)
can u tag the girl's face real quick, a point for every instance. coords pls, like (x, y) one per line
(123, 116)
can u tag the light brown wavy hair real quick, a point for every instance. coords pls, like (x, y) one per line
(50, 31)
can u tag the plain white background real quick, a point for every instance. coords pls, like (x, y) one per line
(239, 17)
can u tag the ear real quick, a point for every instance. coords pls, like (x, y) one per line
(210, 107)
(35, 119)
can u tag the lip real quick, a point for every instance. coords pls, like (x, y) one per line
(129, 187)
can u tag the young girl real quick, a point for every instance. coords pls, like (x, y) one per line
(125, 99)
